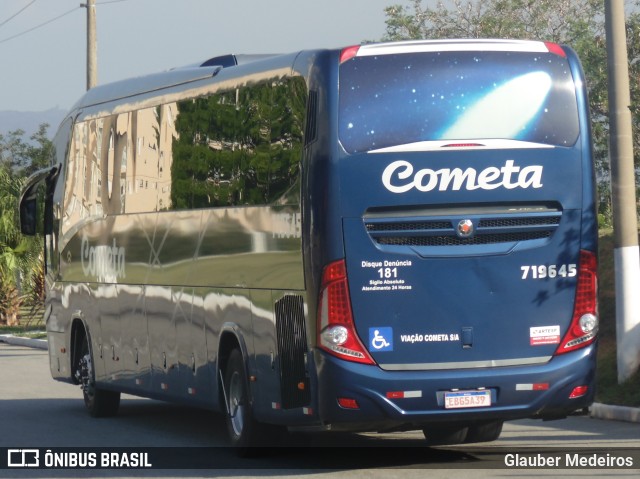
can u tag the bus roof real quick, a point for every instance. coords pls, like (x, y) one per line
(209, 68)
(158, 81)
(143, 84)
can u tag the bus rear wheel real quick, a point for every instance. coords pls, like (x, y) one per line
(99, 402)
(244, 431)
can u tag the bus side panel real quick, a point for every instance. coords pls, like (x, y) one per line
(169, 247)
(135, 361)
(319, 191)
(107, 311)
(589, 239)
(227, 314)
(58, 325)
(201, 381)
(161, 304)
(266, 390)
(176, 318)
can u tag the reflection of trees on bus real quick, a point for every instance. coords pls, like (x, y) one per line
(239, 147)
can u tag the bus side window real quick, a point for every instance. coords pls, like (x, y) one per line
(83, 177)
(110, 176)
(241, 147)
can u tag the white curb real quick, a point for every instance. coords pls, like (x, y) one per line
(615, 413)
(28, 342)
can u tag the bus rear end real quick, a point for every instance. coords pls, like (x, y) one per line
(466, 295)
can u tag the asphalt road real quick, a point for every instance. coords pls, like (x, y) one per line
(38, 412)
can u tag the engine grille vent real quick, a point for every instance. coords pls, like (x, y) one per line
(292, 348)
(490, 229)
(455, 241)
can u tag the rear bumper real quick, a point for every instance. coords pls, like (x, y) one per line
(513, 394)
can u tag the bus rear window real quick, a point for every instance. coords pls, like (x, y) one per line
(399, 99)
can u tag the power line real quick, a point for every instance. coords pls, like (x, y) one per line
(38, 26)
(48, 21)
(18, 12)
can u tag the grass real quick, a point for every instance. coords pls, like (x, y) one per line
(608, 389)
(30, 324)
(35, 332)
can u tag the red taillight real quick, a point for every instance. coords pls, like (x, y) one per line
(556, 49)
(584, 324)
(348, 403)
(578, 392)
(348, 53)
(336, 332)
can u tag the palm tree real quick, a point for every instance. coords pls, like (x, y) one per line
(19, 255)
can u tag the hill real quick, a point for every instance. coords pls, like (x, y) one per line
(29, 121)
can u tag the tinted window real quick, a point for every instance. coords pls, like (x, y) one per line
(240, 147)
(391, 100)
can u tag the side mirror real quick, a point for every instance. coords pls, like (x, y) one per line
(28, 201)
(28, 216)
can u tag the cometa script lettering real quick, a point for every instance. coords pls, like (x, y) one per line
(105, 262)
(399, 177)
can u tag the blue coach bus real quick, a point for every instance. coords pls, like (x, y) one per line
(386, 237)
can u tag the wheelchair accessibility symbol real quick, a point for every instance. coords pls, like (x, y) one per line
(381, 339)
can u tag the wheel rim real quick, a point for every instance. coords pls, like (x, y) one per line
(236, 406)
(85, 374)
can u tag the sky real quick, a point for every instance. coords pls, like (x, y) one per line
(45, 68)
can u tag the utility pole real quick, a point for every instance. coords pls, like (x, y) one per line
(623, 194)
(92, 44)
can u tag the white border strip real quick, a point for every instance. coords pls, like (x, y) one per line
(452, 46)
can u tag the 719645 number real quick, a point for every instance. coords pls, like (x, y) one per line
(543, 271)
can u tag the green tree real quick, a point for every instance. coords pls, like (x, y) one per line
(24, 157)
(564, 21)
(633, 50)
(38, 151)
(12, 149)
(20, 256)
(577, 23)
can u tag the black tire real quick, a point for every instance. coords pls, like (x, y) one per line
(244, 432)
(99, 402)
(484, 432)
(445, 434)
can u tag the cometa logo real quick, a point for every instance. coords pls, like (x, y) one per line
(399, 177)
(105, 262)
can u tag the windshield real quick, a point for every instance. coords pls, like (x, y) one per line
(391, 100)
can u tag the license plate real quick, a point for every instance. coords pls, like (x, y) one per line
(467, 399)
